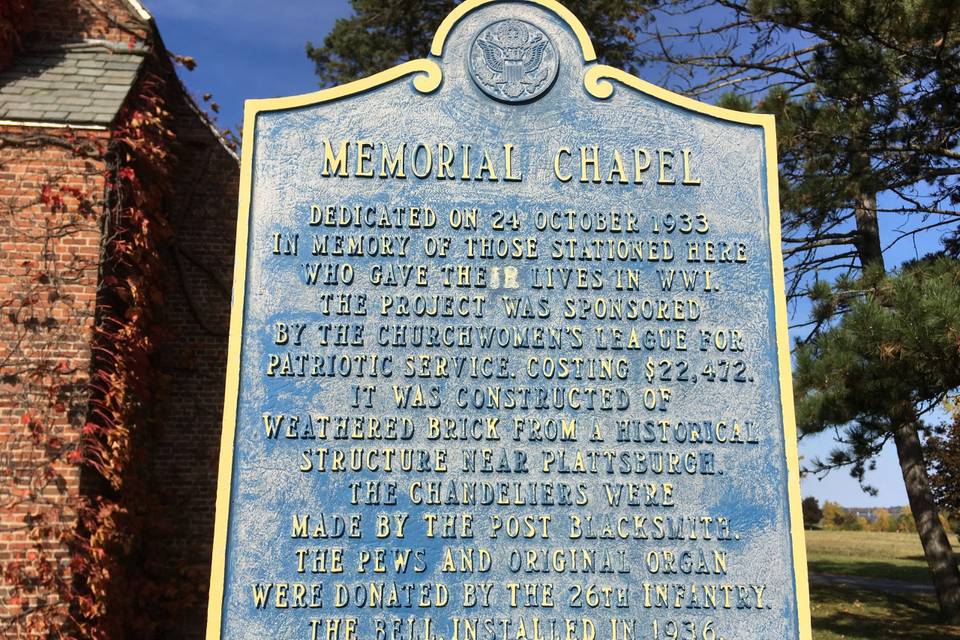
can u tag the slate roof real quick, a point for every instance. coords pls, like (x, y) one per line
(83, 85)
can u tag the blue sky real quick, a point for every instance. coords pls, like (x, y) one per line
(246, 48)
(255, 49)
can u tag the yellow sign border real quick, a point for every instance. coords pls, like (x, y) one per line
(427, 77)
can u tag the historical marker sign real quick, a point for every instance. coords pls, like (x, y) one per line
(508, 357)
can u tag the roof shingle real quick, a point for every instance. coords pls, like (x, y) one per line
(70, 86)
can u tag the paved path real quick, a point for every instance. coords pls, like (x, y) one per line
(875, 584)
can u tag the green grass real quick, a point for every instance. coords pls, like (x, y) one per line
(895, 556)
(858, 614)
(851, 613)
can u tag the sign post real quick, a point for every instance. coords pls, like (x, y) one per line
(509, 357)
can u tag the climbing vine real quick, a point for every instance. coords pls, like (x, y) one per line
(44, 388)
(82, 575)
(125, 381)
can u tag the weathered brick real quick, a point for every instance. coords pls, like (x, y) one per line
(201, 206)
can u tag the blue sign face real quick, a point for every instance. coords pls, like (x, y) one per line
(508, 358)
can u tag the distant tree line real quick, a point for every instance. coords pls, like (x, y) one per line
(834, 517)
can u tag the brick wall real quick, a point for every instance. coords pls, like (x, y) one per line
(49, 254)
(49, 258)
(57, 21)
(186, 446)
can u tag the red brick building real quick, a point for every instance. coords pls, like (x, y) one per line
(117, 218)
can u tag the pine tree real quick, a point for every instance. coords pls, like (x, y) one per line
(867, 99)
(383, 33)
(890, 358)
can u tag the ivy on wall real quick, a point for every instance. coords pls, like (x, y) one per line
(101, 588)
